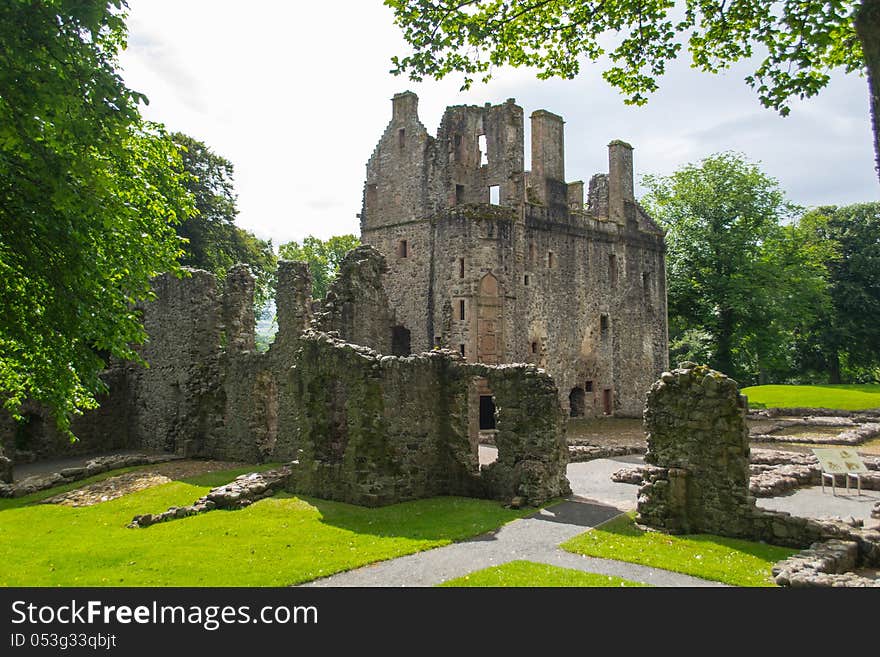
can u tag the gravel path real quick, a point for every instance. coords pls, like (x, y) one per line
(532, 539)
(595, 499)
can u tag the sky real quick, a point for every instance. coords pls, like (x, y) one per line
(296, 96)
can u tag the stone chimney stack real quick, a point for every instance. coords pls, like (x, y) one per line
(620, 180)
(548, 152)
(405, 106)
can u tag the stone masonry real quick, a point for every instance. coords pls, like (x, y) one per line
(365, 428)
(506, 265)
(698, 445)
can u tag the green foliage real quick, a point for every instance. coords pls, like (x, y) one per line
(213, 241)
(89, 193)
(844, 339)
(275, 542)
(846, 397)
(323, 257)
(529, 573)
(740, 282)
(729, 560)
(799, 42)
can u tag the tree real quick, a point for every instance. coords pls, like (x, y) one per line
(89, 194)
(323, 257)
(798, 42)
(843, 342)
(213, 241)
(739, 281)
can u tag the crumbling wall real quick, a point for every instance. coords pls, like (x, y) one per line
(530, 436)
(379, 429)
(696, 431)
(174, 406)
(698, 441)
(357, 307)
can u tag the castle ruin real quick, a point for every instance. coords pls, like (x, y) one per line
(505, 265)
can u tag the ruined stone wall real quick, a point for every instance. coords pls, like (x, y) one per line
(174, 409)
(356, 306)
(698, 441)
(696, 431)
(379, 429)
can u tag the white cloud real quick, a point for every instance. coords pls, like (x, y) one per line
(297, 94)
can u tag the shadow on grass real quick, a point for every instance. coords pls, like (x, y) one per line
(625, 525)
(432, 519)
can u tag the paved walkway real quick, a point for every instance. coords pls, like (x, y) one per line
(532, 539)
(595, 499)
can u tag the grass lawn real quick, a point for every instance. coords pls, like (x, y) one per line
(728, 560)
(529, 573)
(275, 542)
(845, 397)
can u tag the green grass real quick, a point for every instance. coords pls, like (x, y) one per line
(529, 573)
(275, 542)
(728, 560)
(844, 397)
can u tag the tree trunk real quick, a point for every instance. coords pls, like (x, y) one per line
(724, 353)
(834, 367)
(867, 24)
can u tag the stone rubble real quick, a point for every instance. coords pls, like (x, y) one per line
(825, 563)
(238, 494)
(91, 468)
(583, 452)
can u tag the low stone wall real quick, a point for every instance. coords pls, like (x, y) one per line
(380, 429)
(582, 453)
(91, 468)
(858, 434)
(240, 493)
(773, 472)
(826, 563)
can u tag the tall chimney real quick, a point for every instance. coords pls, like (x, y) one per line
(620, 180)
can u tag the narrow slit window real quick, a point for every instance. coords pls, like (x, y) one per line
(459, 194)
(526, 280)
(604, 324)
(461, 350)
(484, 150)
(534, 347)
(461, 309)
(612, 269)
(401, 138)
(550, 262)
(461, 267)
(402, 249)
(495, 194)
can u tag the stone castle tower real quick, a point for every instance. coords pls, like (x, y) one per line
(507, 265)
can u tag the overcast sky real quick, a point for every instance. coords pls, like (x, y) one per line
(296, 95)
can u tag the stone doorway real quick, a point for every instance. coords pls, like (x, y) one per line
(577, 402)
(489, 313)
(487, 413)
(400, 341)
